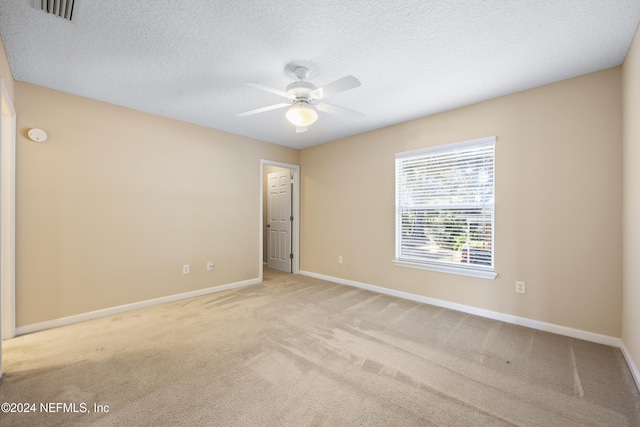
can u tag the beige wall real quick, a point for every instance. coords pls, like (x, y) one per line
(631, 211)
(558, 203)
(116, 201)
(5, 71)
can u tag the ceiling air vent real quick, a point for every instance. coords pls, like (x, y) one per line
(61, 8)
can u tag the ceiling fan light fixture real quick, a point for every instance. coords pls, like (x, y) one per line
(301, 114)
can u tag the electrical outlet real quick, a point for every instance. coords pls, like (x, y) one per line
(210, 265)
(521, 288)
(340, 259)
(185, 269)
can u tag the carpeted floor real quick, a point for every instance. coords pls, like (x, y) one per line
(298, 351)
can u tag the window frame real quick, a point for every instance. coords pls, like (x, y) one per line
(473, 270)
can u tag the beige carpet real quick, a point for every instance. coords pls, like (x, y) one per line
(297, 351)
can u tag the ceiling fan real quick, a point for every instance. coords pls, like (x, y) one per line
(303, 99)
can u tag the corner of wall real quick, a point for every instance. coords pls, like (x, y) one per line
(631, 207)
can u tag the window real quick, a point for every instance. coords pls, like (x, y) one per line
(445, 208)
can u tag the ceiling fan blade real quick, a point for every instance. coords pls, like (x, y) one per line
(334, 109)
(300, 129)
(340, 85)
(270, 89)
(263, 109)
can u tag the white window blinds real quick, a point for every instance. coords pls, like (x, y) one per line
(445, 205)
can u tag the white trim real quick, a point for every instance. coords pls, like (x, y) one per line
(483, 274)
(508, 318)
(295, 227)
(63, 321)
(8, 217)
(632, 366)
(488, 140)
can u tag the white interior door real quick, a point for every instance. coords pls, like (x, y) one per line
(279, 220)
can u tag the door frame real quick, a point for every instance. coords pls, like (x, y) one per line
(7, 217)
(295, 226)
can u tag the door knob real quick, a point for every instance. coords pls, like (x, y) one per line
(268, 225)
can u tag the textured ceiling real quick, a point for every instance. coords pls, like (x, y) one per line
(188, 59)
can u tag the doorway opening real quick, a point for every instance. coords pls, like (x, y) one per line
(279, 217)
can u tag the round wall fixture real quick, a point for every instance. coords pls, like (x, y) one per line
(37, 135)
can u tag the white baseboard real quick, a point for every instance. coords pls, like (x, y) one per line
(522, 321)
(27, 329)
(632, 366)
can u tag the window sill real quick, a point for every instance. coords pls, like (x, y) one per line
(483, 274)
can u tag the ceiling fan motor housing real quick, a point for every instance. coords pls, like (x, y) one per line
(301, 89)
